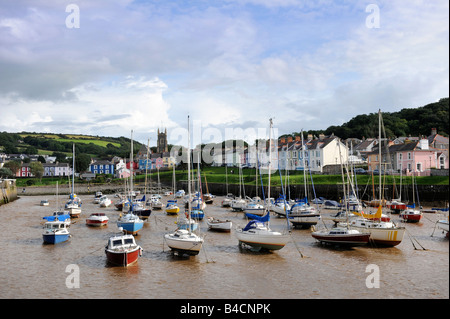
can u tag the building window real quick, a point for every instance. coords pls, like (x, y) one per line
(409, 156)
(400, 156)
(419, 167)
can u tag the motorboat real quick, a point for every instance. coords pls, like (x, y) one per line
(122, 250)
(411, 215)
(44, 202)
(62, 216)
(105, 201)
(55, 232)
(97, 220)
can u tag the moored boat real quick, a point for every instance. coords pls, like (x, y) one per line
(122, 250)
(342, 236)
(184, 241)
(130, 223)
(55, 232)
(172, 207)
(219, 224)
(97, 220)
(411, 215)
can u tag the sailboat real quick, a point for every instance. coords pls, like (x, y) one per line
(172, 206)
(257, 233)
(130, 221)
(411, 214)
(238, 204)
(381, 233)
(344, 235)
(208, 197)
(226, 202)
(58, 214)
(184, 241)
(302, 214)
(74, 203)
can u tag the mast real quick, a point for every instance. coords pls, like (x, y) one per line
(189, 177)
(73, 170)
(146, 167)
(270, 159)
(304, 166)
(379, 152)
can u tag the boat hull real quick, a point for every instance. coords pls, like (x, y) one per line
(348, 240)
(197, 214)
(55, 238)
(221, 226)
(306, 220)
(411, 217)
(131, 228)
(173, 210)
(123, 258)
(269, 242)
(183, 245)
(96, 222)
(390, 236)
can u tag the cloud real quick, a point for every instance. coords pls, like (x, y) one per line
(144, 65)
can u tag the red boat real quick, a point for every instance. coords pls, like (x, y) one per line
(411, 215)
(122, 250)
(396, 206)
(97, 220)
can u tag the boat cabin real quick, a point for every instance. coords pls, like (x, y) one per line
(54, 225)
(118, 242)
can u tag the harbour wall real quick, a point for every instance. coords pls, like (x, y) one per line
(436, 195)
(8, 191)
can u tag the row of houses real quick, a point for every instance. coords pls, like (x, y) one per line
(324, 154)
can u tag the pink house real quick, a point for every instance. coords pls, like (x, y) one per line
(418, 158)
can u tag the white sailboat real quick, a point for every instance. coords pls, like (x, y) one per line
(74, 203)
(257, 232)
(184, 241)
(385, 233)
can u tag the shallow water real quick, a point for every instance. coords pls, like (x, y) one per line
(31, 269)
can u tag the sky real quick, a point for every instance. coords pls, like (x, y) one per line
(106, 67)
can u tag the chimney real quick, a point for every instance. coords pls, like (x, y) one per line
(433, 131)
(321, 136)
(289, 139)
(298, 138)
(310, 137)
(423, 144)
(282, 140)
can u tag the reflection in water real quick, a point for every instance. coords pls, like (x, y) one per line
(302, 269)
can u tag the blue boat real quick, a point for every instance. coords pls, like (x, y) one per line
(197, 214)
(130, 223)
(55, 232)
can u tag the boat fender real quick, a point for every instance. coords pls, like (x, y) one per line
(140, 252)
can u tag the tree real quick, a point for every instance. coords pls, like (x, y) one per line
(37, 169)
(6, 173)
(82, 162)
(13, 165)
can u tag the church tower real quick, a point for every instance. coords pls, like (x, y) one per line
(161, 145)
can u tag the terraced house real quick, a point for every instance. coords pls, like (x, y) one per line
(102, 167)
